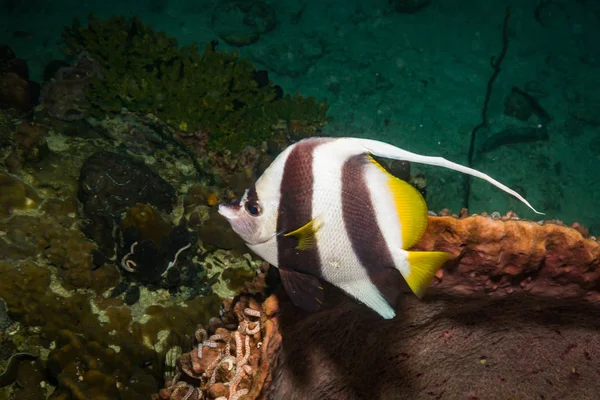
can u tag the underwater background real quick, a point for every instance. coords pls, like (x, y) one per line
(124, 124)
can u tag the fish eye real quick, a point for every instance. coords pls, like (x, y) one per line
(253, 208)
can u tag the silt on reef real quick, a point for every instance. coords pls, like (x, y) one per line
(510, 316)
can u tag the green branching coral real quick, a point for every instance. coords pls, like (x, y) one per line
(212, 92)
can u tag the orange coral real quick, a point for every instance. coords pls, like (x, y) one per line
(212, 199)
(509, 255)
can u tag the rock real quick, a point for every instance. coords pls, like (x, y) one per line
(509, 314)
(64, 96)
(445, 347)
(9, 63)
(241, 23)
(517, 105)
(30, 141)
(109, 183)
(16, 92)
(495, 256)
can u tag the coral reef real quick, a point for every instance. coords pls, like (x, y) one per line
(109, 183)
(212, 92)
(15, 195)
(505, 255)
(148, 223)
(9, 63)
(107, 266)
(225, 363)
(229, 271)
(30, 141)
(113, 349)
(116, 352)
(15, 92)
(148, 138)
(509, 316)
(63, 97)
(88, 369)
(25, 142)
(144, 261)
(9, 375)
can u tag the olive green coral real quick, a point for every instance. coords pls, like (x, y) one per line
(15, 194)
(57, 242)
(96, 338)
(87, 369)
(211, 92)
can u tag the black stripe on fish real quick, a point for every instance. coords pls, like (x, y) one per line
(295, 209)
(252, 203)
(364, 232)
(300, 268)
(252, 196)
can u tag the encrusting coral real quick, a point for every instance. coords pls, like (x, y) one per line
(509, 315)
(505, 254)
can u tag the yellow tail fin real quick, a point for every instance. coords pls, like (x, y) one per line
(422, 266)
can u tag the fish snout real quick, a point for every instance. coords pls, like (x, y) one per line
(230, 210)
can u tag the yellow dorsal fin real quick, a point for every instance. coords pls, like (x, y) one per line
(306, 234)
(422, 267)
(411, 208)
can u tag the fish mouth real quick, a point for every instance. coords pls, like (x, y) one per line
(229, 210)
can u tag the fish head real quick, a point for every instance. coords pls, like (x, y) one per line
(254, 219)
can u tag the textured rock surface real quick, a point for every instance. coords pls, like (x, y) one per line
(512, 316)
(506, 256)
(447, 347)
(111, 182)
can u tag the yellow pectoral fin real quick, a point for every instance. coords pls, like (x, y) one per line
(422, 266)
(306, 234)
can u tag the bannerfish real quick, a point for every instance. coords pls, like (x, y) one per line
(325, 209)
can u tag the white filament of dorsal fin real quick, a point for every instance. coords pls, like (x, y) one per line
(386, 150)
